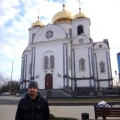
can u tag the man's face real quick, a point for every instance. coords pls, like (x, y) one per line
(32, 91)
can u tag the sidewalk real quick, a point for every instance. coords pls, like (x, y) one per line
(7, 112)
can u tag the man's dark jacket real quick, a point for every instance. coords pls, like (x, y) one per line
(33, 110)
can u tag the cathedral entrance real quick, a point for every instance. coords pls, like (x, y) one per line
(48, 81)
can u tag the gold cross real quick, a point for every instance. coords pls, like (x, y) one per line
(79, 3)
(63, 2)
(38, 11)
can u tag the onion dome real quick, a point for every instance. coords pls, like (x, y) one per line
(79, 15)
(62, 16)
(37, 23)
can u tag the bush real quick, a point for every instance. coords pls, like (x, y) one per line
(52, 117)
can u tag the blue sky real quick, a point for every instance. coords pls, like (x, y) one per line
(17, 17)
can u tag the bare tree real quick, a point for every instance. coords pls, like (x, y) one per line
(1, 80)
(6, 85)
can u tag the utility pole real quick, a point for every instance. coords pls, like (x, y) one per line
(11, 77)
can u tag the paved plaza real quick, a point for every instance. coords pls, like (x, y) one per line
(7, 112)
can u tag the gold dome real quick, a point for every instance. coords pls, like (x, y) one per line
(37, 23)
(80, 15)
(62, 16)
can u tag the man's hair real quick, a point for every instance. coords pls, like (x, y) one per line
(33, 84)
(101, 99)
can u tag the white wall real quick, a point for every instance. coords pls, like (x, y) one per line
(66, 26)
(103, 83)
(31, 31)
(86, 26)
(83, 83)
(101, 56)
(28, 75)
(57, 51)
(81, 53)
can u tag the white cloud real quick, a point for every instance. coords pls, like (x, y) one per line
(8, 10)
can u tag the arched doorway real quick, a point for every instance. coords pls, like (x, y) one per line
(48, 81)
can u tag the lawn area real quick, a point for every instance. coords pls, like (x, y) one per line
(84, 100)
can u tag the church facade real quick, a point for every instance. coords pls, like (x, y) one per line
(62, 54)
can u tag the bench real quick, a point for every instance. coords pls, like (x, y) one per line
(106, 111)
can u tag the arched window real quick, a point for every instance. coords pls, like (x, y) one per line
(33, 35)
(70, 33)
(52, 60)
(79, 30)
(82, 64)
(46, 62)
(102, 67)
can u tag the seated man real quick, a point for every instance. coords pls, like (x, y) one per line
(102, 103)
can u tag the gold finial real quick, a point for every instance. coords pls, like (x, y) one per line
(38, 13)
(38, 18)
(79, 10)
(63, 5)
(79, 7)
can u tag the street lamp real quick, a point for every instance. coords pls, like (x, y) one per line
(11, 78)
(117, 74)
(117, 77)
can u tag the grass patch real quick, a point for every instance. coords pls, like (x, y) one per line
(52, 117)
(83, 100)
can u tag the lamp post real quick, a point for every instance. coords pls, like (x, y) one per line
(11, 78)
(117, 74)
(73, 88)
(117, 78)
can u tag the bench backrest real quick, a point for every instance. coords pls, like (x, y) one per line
(107, 111)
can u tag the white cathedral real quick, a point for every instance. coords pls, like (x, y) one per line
(62, 54)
